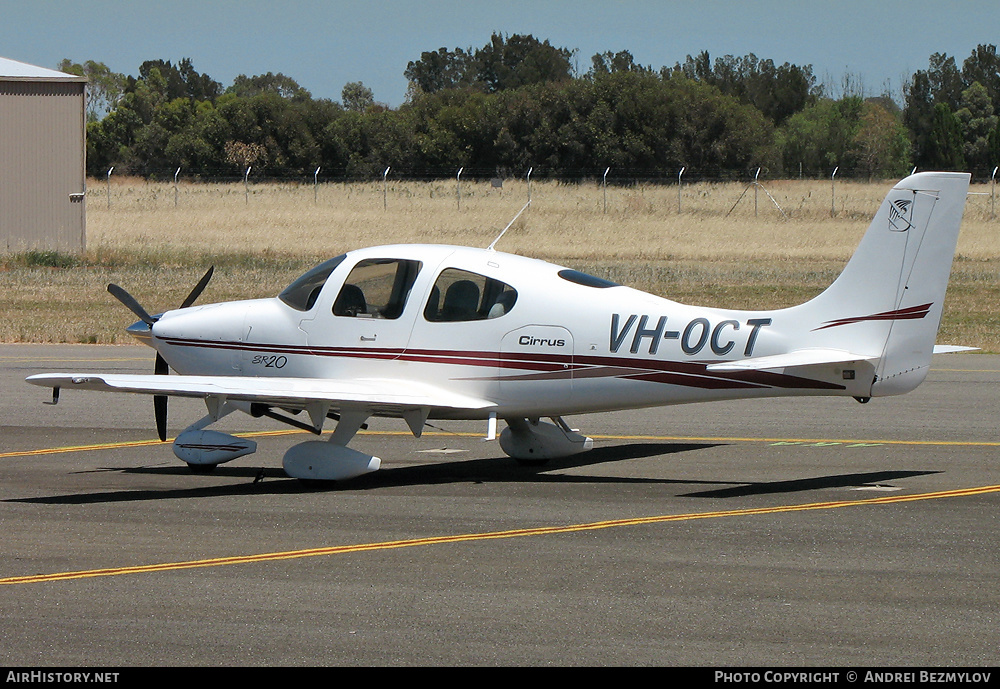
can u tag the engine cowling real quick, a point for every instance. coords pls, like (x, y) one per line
(211, 447)
(318, 460)
(538, 441)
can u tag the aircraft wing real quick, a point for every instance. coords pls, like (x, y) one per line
(380, 396)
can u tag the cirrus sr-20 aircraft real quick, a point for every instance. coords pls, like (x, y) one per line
(423, 332)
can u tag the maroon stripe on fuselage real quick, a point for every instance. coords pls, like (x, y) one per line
(547, 366)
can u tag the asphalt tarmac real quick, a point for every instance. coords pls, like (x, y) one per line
(789, 532)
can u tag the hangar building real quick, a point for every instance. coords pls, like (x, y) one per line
(42, 159)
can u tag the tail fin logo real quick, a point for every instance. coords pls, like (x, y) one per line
(900, 212)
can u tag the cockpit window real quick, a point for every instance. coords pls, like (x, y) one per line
(459, 295)
(377, 288)
(586, 280)
(301, 294)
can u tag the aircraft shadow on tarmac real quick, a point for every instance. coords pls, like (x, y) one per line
(802, 484)
(274, 481)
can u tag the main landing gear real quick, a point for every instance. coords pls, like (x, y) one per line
(533, 442)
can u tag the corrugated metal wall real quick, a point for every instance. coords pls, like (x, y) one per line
(42, 163)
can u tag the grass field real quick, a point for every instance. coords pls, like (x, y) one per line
(712, 244)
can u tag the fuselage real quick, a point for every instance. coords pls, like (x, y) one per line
(533, 337)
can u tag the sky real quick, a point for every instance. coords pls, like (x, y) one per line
(876, 44)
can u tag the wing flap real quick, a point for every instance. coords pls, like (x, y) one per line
(378, 394)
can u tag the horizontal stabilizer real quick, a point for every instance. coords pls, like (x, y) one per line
(951, 349)
(800, 357)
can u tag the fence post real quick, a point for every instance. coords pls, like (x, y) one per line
(679, 189)
(756, 186)
(993, 194)
(109, 186)
(833, 193)
(385, 178)
(606, 190)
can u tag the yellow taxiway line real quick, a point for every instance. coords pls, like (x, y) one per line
(113, 446)
(490, 535)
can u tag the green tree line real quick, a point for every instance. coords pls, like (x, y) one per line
(519, 103)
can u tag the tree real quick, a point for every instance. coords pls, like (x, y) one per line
(919, 117)
(777, 91)
(244, 155)
(357, 97)
(978, 122)
(278, 84)
(198, 86)
(880, 143)
(199, 143)
(945, 147)
(182, 81)
(630, 120)
(441, 70)
(697, 68)
(983, 66)
(805, 138)
(973, 91)
(994, 146)
(822, 136)
(508, 62)
(945, 80)
(609, 63)
(364, 143)
(104, 87)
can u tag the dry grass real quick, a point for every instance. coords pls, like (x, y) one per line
(565, 221)
(723, 248)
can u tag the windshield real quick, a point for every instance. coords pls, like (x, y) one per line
(301, 294)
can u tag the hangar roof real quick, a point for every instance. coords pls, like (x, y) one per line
(12, 70)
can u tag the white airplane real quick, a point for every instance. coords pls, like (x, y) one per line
(423, 332)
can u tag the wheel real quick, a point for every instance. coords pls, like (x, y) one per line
(202, 468)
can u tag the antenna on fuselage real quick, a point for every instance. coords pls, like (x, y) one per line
(490, 247)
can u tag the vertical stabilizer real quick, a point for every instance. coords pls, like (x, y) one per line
(888, 301)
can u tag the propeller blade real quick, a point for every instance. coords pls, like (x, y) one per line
(130, 302)
(160, 368)
(160, 414)
(198, 289)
